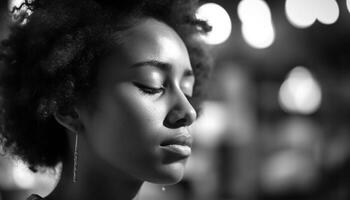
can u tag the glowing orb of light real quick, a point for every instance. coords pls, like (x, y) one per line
(303, 14)
(217, 17)
(22, 176)
(212, 123)
(253, 11)
(300, 13)
(328, 11)
(257, 28)
(300, 92)
(258, 36)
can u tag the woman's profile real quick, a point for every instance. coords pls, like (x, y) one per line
(107, 88)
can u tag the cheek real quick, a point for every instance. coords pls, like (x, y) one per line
(138, 113)
(125, 129)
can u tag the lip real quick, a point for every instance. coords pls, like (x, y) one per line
(177, 147)
(180, 139)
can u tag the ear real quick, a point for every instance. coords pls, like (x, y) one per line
(70, 121)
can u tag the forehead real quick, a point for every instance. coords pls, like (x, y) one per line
(154, 40)
(149, 40)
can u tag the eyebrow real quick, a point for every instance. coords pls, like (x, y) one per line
(161, 65)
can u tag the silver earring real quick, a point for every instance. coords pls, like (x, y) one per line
(75, 162)
(163, 188)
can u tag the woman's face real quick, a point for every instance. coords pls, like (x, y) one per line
(140, 124)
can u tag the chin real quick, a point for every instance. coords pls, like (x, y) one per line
(169, 174)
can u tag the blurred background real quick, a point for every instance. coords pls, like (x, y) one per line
(276, 124)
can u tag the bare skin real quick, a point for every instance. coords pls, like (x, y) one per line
(139, 129)
(94, 182)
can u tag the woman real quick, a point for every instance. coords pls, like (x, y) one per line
(124, 78)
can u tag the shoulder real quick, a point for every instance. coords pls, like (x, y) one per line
(34, 197)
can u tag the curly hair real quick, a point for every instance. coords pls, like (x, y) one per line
(50, 60)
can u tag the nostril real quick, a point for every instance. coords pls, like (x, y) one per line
(182, 122)
(181, 113)
(187, 119)
(176, 119)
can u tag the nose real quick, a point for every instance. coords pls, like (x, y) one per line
(181, 113)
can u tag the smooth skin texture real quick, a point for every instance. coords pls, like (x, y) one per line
(143, 96)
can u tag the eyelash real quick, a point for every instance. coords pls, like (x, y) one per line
(189, 98)
(149, 90)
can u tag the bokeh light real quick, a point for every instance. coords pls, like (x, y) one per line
(22, 176)
(211, 124)
(300, 92)
(328, 11)
(259, 36)
(257, 28)
(299, 13)
(303, 14)
(253, 11)
(287, 169)
(218, 18)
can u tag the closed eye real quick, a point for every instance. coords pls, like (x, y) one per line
(149, 90)
(189, 98)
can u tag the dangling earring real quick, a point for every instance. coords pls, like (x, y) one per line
(75, 164)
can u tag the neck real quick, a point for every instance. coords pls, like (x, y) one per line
(96, 179)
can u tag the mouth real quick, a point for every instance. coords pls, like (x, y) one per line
(178, 146)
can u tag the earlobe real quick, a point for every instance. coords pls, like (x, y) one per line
(70, 122)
